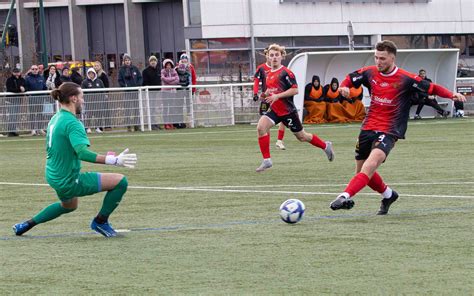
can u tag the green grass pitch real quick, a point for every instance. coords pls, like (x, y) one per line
(199, 220)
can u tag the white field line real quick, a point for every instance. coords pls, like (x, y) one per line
(329, 185)
(256, 191)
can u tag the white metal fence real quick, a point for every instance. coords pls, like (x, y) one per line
(147, 107)
(139, 107)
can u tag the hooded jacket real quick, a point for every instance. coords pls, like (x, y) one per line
(169, 76)
(310, 86)
(332, 95)
(92, 83)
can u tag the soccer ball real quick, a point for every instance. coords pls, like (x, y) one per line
(291, 211)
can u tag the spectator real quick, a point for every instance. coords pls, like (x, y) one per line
(14, 84)
(314, 102)
(92, 80)
(53, 78)
(353, 105)
(106, 105)
(101, 74)
(335, 110)
(169, 76)
(76, 77)
(151, 77)
(184, 59)
(65, 77)
(423, 99)
(95, 100)
(35, 82)
(129, 75)
(41, 70)
(458, 109)
(184, 74)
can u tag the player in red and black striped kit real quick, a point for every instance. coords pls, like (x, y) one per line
(280, 88)
(391, 90)
(260, 75)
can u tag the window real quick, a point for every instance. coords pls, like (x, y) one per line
(194, 8)
(263, 42)
(227, 43)
(224, 62)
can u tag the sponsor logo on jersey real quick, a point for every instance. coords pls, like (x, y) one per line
(382, 100)
(384, 84)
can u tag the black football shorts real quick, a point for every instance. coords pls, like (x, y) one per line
(291, 121)
(369, 140)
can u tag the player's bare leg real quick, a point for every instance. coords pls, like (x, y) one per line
(281, 134)
(263, 127)
(314, 140)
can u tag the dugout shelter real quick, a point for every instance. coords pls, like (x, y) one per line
(440, 65)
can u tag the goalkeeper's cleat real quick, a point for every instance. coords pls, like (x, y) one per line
(266, 164)
(279, 144)
(329, 151)
(21, 228)
(386, 202)
(105, 228)
(341, 202)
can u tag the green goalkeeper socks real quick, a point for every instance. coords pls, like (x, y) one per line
(50, 212)
(113, 198)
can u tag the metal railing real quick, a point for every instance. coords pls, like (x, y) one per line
(141, 108)
(144, 108)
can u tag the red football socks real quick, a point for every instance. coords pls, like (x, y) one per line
(377, 184)
(318, 142)
(356, 184)
(264, 143)
(281, 134)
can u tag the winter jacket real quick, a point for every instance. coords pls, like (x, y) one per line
(13, 84)
(151, 76)
(35, 82)
(63, 79)
(52, 80)
(184, 74)
(169, 76)
(105, 80)
(76, 77)
(130, 76)
(92, 83)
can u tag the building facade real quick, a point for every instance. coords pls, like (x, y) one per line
(225, 38)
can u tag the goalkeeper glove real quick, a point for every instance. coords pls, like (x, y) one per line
(124, 159)
(255, 97)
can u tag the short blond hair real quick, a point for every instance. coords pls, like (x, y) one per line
(277, 47)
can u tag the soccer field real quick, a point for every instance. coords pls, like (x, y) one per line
(197, 219)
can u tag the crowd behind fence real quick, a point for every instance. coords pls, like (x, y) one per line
(139, 107)
(142, 108)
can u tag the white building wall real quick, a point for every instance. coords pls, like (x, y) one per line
(229, 18)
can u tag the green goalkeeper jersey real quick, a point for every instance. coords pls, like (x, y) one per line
(63, 165)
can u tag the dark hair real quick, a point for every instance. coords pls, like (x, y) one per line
(386, 45)
(66, 91)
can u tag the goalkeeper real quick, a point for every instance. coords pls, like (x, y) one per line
(66, 145)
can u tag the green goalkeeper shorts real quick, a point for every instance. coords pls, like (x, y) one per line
(86, 184)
